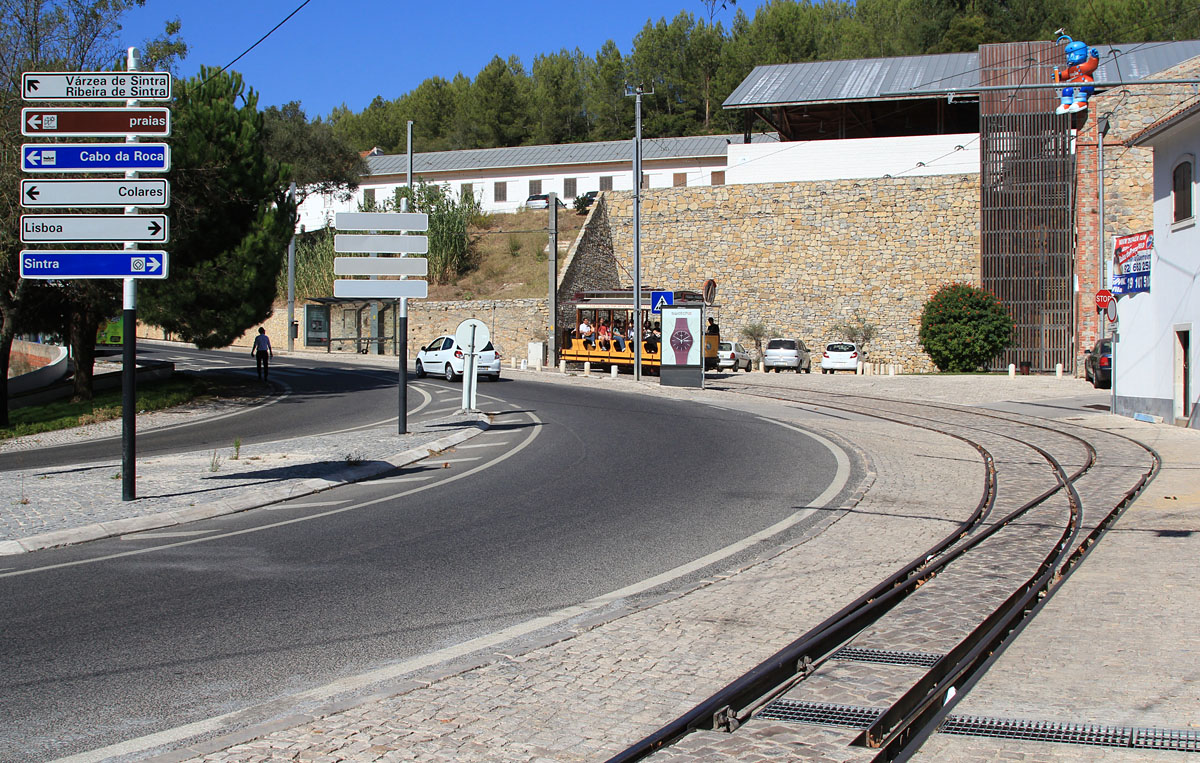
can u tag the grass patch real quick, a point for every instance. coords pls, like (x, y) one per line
(105, 406)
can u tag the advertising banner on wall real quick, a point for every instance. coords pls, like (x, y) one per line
(1131, 263)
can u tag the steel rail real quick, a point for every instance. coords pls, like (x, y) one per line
(728, 707)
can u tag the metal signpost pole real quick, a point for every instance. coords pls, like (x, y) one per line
(1101, 131)
(291, 277)
(552, 319)
(637, 234)
(402, 308)
(129, 347)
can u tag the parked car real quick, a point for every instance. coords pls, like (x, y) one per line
(787, 353)
(841, 356)
(731, 356)
(443, 356)
(542, 201)
(1097, 365)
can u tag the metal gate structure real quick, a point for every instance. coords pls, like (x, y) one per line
(1026, 199)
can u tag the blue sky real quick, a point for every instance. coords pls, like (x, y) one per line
(348, 51)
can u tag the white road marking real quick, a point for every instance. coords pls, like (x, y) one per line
(167, 534)
(491, 640)
(390, 480)
(453, 460)
(436, 411)
(492, 444)
(305, 505)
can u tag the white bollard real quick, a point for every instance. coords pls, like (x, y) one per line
(1058, 370)
(858, 370)
(537, 368)
(587, 368)
(524, 363)
(514, 363)
(562, 366)
(613, 370)
(892, 369)
(1012, 371)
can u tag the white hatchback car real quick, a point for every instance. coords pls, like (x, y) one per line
(444, 357)
(732, 356)
(841, 356)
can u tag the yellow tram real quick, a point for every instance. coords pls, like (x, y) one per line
(615, 309)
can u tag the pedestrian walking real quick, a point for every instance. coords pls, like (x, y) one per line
(261, 350)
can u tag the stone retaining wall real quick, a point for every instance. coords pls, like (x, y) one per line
(802, 257)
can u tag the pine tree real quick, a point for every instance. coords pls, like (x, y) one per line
(230, 216)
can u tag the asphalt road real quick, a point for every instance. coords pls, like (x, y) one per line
(572, 494)
(307, 396)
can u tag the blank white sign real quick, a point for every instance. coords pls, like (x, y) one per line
(381, 221)
(380, 266)
(361, 243)
(380, 289)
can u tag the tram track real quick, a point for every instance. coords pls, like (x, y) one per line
(874, 680)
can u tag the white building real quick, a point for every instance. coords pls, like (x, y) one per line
(1153, 354)
(503, 178)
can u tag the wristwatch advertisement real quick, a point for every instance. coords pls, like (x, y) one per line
(683, 328)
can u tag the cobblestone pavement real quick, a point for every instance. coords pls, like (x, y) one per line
(586, 690)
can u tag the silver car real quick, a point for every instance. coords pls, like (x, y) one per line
(732, 356)
(444, 357)
(787, 354)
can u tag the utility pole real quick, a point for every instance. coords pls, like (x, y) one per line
(552, 319)
(637, 230)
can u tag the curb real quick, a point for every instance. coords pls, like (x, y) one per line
(265, 497)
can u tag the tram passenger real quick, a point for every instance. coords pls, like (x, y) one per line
(585, 332)
(618, 336)
(604, 335)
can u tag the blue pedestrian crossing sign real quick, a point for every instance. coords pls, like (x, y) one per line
(661, 299)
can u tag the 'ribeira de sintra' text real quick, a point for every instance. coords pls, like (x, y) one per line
(124, 85)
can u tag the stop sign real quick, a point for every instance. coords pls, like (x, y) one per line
(1103, 297)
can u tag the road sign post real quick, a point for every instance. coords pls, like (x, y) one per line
(401, 290)
(66, 265)
(95, 157)
(95, 123)
(147, 192)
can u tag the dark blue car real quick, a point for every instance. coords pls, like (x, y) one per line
(1097, 366)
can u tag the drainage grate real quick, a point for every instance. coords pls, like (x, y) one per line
(884, 657)
(821, 714)
(1073, 733)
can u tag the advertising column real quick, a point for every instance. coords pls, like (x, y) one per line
(682, 346)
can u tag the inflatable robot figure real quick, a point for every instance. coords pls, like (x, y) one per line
(1081, 62)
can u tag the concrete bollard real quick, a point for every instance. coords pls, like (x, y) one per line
(613, 371)
(1012, 371)
(524, 363)
(537, 368)
(1058, 370)
(562, 366)
(892, 370)
(858, 370)
(587, 368)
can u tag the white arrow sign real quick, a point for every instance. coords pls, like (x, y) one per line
(384, 244)
(59, 228)
(381, 221)
(380, 289)
(380, 266)
(143, 192)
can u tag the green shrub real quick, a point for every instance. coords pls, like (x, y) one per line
(964, 328)
(581, 204)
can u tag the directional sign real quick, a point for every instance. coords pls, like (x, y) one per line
(70, 228)
(143, 192)
(380, 266)
(95, 157)
(380, 289)
(385, 244)
(95, 122)
(66, 265)
(381, 221)
(661, 299)
(96, 86)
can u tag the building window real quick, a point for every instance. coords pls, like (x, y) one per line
(679, 179)
(1181, 191)
(535, 187)
(606, 182)
(466, 191)
(718, 177)
(645, 180)
(569, 188)
(500, 192)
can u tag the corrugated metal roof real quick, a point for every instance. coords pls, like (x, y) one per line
(572, 153)
(870, 78)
